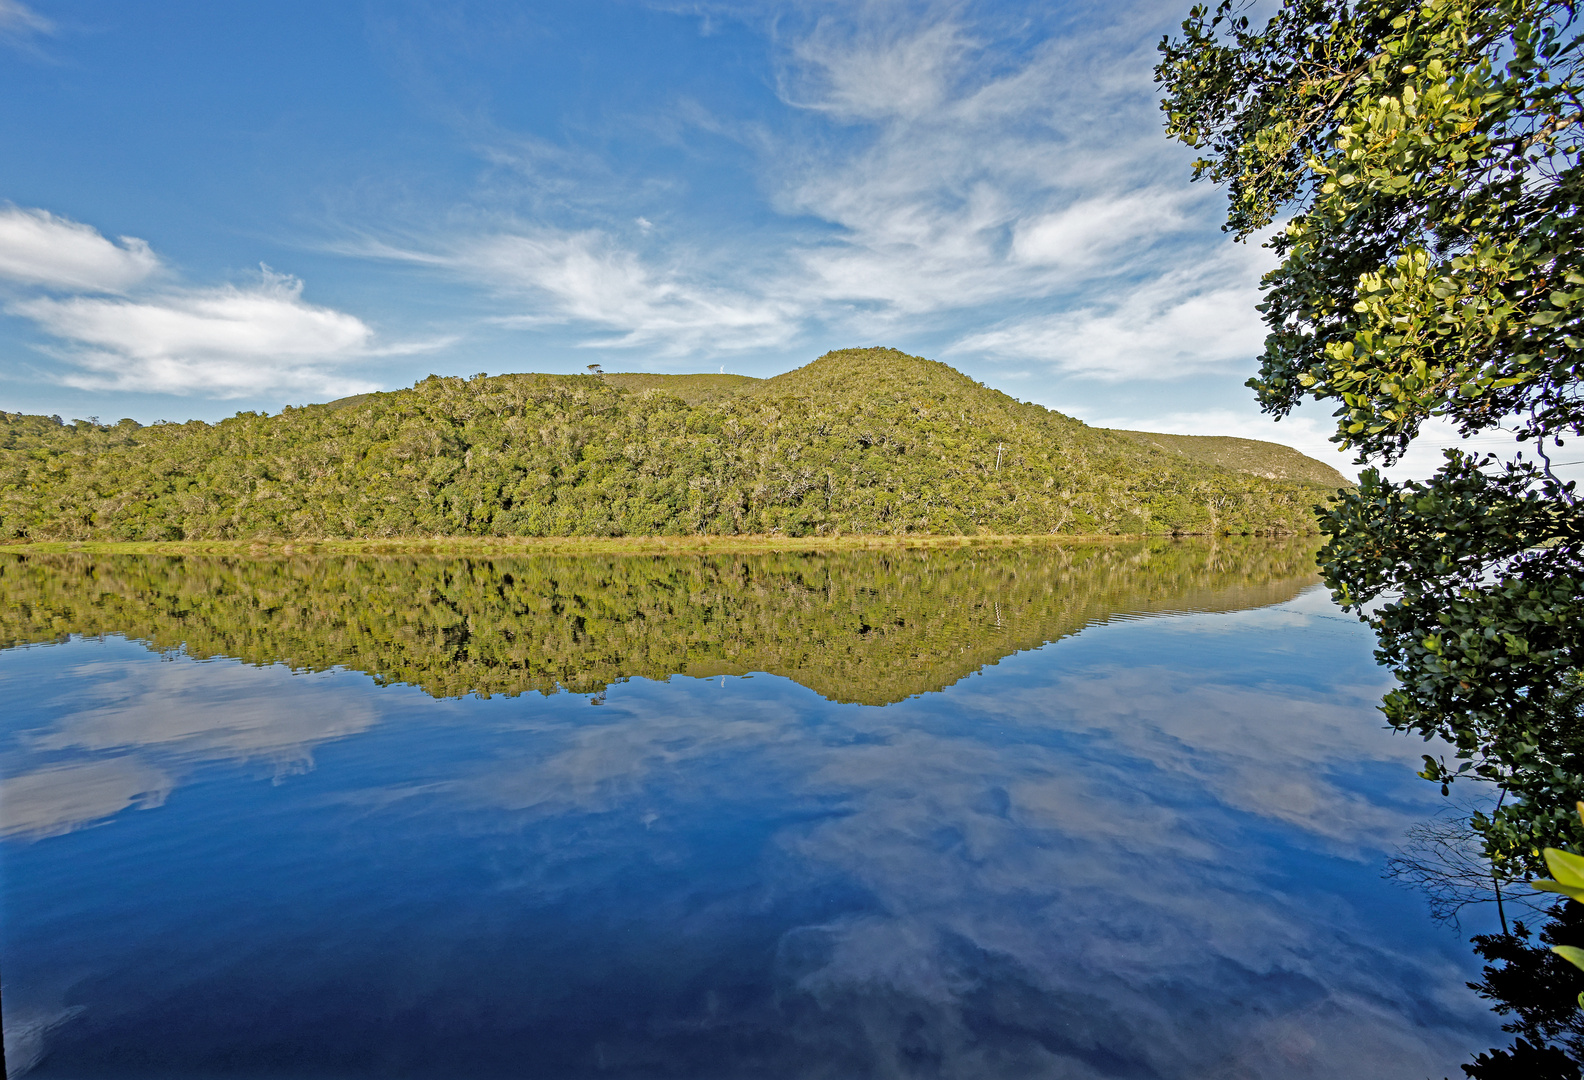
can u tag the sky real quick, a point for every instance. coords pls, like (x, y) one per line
(208, 208)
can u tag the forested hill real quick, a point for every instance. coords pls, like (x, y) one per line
(859, 441)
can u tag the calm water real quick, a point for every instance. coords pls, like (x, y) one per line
(1112, 812)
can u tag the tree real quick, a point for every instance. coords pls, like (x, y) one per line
(1419, 162)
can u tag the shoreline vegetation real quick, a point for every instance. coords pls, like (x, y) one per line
(857, 445)
(701, 544)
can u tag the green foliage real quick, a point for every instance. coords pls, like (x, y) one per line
(1483, 629)
(866, 441)
(868, 627)
(1426, 155)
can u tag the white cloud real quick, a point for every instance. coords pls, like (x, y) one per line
(220, 342)
(1085, 231)
(38, 248)
(1309, 431)
(587, 278)
(1308, 434)
(926, 173)
(880, 72)
(1183, 322)
(225, 341)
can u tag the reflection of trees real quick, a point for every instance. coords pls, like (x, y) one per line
(1444, 859)
(868, 627)
(1539, 990)
(1522, 978)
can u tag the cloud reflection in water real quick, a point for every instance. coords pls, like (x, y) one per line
(1082, 862)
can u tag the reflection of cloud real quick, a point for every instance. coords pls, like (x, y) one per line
(158, 720)
(57, 800)
(1226, 737)
(27, 1033)
(208, 711)
(1092, 845)
(1087, 862)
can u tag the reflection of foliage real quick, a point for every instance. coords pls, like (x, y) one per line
(1539, 989)
(1443, 858)
(869, 627)
(862, 441)
(1486, 637)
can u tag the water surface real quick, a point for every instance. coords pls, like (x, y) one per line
(1097, 812)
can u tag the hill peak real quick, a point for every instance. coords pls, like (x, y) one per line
(872, 372)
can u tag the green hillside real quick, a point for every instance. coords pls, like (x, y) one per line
(1271, 460)
(861, 441)
(692, 389)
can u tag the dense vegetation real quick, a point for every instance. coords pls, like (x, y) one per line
(1428, 156)
(866, 441)
(869, 627)
(1270, 460)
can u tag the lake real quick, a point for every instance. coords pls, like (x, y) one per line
(1118, 810)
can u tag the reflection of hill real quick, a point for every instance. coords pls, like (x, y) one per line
(869, 627)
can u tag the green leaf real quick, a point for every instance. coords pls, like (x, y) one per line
(1572, 892)
(1566, 867)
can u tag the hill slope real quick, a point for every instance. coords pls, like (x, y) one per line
(1270, 460)
(859, 441)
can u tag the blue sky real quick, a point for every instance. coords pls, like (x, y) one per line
(212, 207)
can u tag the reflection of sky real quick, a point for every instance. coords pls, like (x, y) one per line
(1152, 850)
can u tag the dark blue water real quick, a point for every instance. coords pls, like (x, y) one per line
(1153, 849)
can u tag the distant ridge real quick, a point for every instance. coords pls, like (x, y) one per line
(860, 441)
(1274, 461)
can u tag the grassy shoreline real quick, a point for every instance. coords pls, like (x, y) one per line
(563, 545)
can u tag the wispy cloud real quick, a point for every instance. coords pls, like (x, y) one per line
(20, 23)
(925, 172)
(1183, 322)
(1031, 174)
(587, 277)
(224, 341)
(879, 70)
